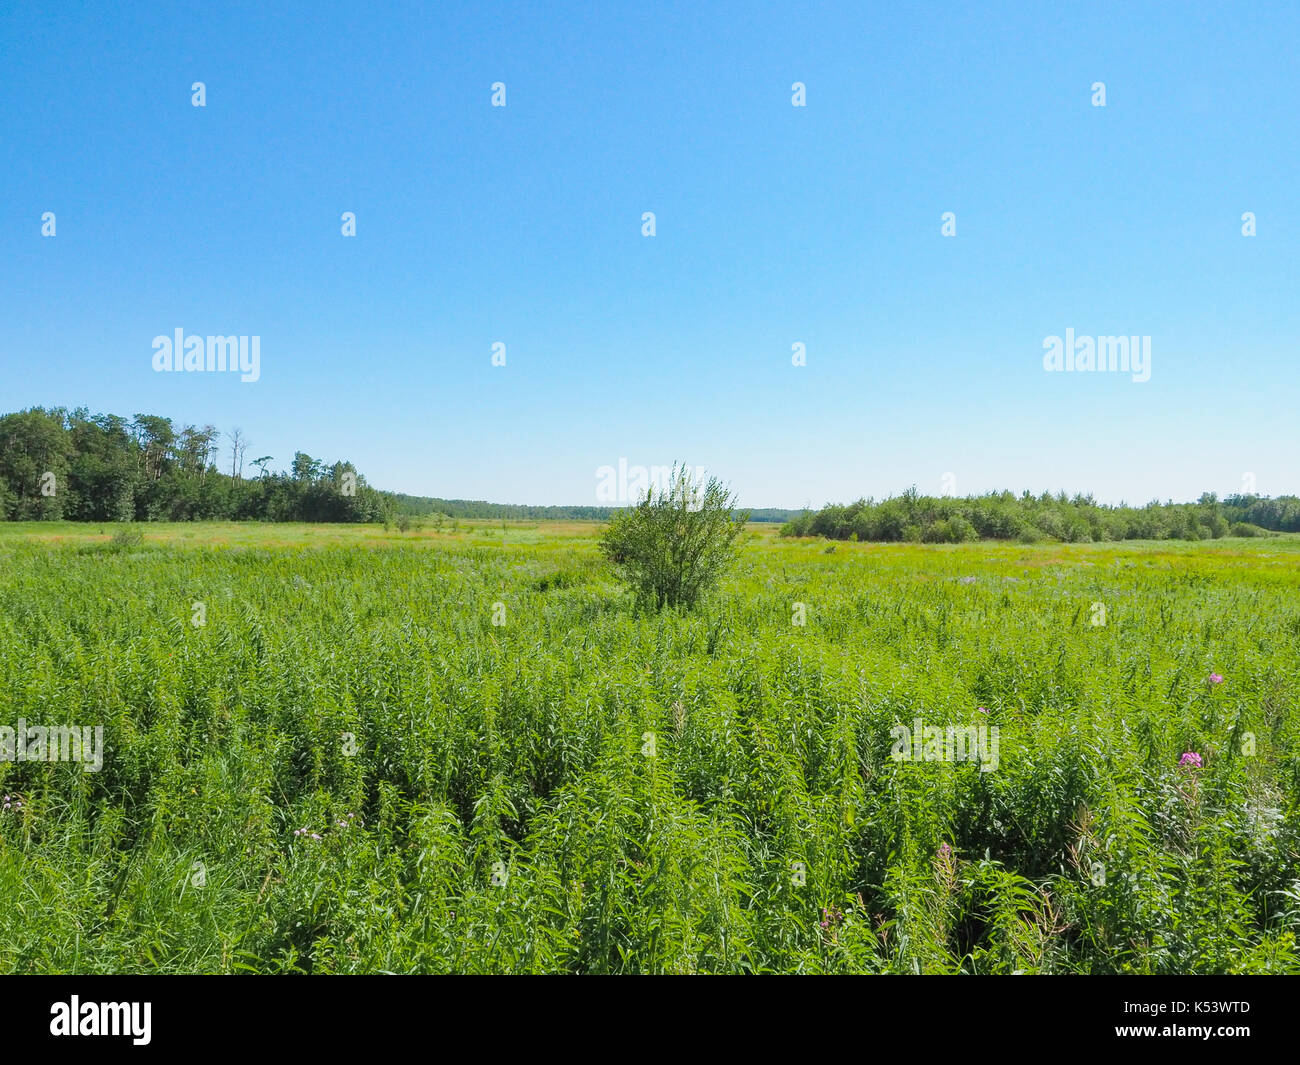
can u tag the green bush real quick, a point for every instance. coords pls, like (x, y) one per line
(674, 545)
(963, 532)
(126, 537)
(954, 530)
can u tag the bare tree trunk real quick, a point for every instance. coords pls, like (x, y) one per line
(237, 447)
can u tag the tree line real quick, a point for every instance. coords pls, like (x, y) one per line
(426, 506)
(74, 466)
(71, 465)
(1029, 518)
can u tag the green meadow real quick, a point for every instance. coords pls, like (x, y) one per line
(342, 748)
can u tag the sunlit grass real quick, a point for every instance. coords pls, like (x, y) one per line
(346, 670)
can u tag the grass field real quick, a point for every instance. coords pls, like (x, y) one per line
(323, 755)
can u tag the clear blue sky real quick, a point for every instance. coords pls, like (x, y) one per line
(775, 224)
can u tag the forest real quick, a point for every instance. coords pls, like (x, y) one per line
(61, 465)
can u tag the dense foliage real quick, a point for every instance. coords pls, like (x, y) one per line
(1029, 518)
(70, 465)
(674, 546)
(349, 768)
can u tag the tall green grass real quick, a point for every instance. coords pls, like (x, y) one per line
(487, 800)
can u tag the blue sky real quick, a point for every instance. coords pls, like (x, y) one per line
(775, 224)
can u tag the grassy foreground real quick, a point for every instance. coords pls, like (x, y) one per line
(323, 755)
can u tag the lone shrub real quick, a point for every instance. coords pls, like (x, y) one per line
(126, 537)
(675, 544)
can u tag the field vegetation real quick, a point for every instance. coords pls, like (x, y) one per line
(466, 748)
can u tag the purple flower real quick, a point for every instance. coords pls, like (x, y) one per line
(981, 709)
(1190, 759)
(1216, 678)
